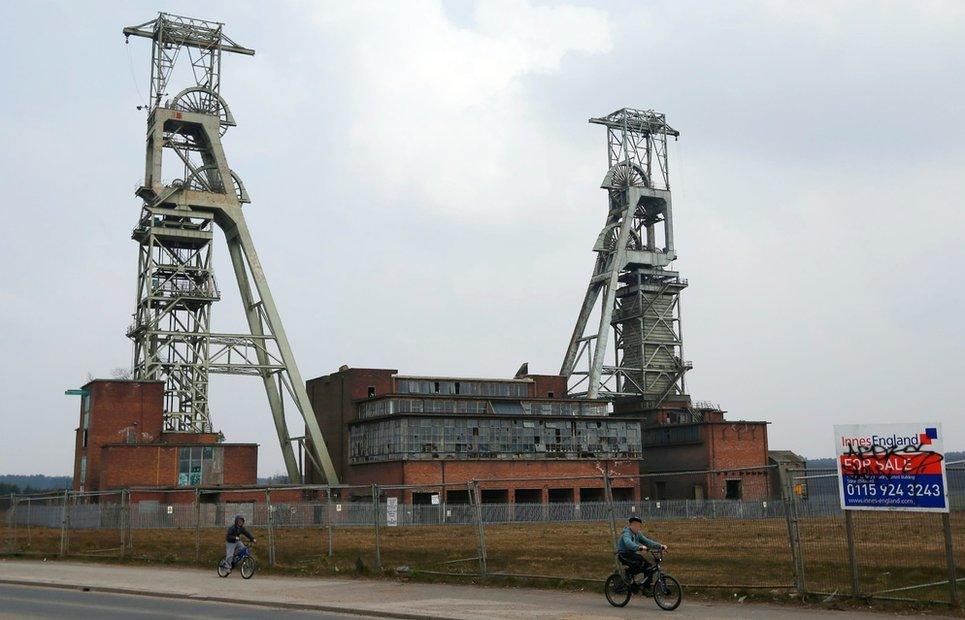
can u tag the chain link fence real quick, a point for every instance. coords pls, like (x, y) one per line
(797, 540)
(909, 556)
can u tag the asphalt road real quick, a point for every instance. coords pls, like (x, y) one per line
(40, 602)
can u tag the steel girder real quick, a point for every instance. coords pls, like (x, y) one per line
(631, 287)
(176, 285)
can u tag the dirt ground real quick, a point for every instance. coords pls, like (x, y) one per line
(894, 551)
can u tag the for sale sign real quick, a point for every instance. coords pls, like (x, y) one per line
(891, 467)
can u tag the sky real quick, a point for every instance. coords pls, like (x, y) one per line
(426, 196)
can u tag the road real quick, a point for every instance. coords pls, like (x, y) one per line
(41, 602)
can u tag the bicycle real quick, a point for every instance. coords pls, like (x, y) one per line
(664, 589)
(243, 557)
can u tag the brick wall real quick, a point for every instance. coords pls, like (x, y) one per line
(240, 464)
(119, 410)
(148, 465)
(737, 445)
(543, 385)
(332, 397)
(138, 465)
(460, 472)
(721, 445)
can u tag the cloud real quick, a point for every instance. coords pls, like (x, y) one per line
(439, 117)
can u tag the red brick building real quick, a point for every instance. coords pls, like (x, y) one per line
(120, 443)
(680, 437)
(392, 429)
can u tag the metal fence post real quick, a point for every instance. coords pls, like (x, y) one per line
(28, 521)
(271, 529)
(12, 524)
(63, 526)
(375, 518)
(475, 498)
(611, 517)
(120, 523)
(950, 561)
(790, 516)
(328, 495)
(197, 525)
(130, 523)
(852, 553)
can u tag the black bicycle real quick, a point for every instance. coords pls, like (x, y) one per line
(664, 589)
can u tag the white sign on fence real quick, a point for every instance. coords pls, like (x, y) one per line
(170, 510)
(392, 511)
(891, 467)
(338, 508)
(435, 499)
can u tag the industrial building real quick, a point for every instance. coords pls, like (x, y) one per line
(121, 443)
(619, 402)
(698, 438)
(394, 429)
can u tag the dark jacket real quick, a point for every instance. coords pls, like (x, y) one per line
(237, 531)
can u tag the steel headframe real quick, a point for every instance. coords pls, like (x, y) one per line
(176, 284)
(639, 295)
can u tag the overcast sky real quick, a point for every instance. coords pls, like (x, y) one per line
(426, 196)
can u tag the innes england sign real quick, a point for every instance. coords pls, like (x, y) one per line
(891, 467)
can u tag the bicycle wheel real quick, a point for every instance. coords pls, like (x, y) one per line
(667, 593)
(248, 567)
(617, 590)
(223, 571)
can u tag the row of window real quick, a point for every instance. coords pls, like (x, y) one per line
(428, 438)
(466, 388)
(392, 406)
(671, 435)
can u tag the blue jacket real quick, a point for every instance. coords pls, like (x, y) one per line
(630, 542)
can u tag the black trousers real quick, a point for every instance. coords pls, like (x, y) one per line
(636, 564)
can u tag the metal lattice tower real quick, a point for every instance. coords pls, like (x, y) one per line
(176, 284)
(639, 295)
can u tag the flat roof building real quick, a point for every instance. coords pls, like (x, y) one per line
(121, 443)
(681, 439)
(393, 429)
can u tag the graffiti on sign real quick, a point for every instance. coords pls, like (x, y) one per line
(891, 467)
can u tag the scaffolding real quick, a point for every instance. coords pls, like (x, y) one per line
(637, 291)
(176, 286)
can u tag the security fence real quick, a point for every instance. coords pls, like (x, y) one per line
(800, 540)
(898, 555)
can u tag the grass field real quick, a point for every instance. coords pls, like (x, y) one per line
(894, 550)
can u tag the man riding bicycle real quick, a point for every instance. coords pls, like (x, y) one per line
(234, 544)
(631, 543)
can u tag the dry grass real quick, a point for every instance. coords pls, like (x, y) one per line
(894, 550)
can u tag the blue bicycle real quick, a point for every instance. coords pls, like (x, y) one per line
(242, 557)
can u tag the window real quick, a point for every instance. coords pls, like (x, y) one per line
(733, 489)
(456, 387)
(436, 387)
(84, 444)
(191, 461)
(550, 395)
(371, 391)
(671, 435)
(83, 469)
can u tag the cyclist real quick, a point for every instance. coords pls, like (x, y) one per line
(235, 531)
(631, 543)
